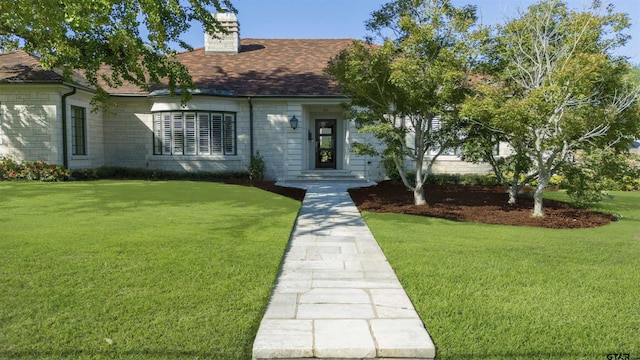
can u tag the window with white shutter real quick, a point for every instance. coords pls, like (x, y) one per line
(229, 135)
(178, 134)
(166, 133)
(157, 134)
(190, 134)
(204, 133)
(194, 133)
(216, 133)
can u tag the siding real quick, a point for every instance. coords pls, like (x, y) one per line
(31, 124)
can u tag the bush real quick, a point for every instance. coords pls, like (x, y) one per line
(257, 167)
(391, 169)
(583, 186)
(111, 172)
(31, 171)
(462, 179)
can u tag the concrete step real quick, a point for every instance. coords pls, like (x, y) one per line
(327, 176)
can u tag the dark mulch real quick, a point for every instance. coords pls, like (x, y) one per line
(480, 204)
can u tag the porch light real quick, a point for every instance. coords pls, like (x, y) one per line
(293, 122)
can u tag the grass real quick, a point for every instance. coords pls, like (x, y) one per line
(137, 269)
(500, 292)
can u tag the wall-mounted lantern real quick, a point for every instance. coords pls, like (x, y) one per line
(293, 122)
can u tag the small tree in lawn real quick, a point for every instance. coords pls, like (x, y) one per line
(103, 40)
(560, 88)
(407, 91)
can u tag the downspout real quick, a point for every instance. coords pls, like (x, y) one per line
(65, 160)
(250, 125)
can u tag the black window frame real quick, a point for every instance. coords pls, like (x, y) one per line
(78, 130)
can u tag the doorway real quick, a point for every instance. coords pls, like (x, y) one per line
(325, 144)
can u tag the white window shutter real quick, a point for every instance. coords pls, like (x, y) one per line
(229, 134)
(178, 134)
(204, 134)
(157, 134)
(216, 133)
(190, 134)
(166, 128)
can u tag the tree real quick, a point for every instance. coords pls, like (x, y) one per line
(481, 145)
(406, 91)
(558, 88)
(87, 35)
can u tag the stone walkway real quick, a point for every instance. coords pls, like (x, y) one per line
(337, 296)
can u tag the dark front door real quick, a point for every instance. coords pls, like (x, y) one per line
(326, 144)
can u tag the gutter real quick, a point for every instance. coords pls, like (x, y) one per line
(65, 150)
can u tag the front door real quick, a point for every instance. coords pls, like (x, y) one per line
(326, 144)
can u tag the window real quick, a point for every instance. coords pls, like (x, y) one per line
(78, 131)
(194, 133)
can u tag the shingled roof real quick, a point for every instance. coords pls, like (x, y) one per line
(263, 67)
(268, 67)
(18, 66)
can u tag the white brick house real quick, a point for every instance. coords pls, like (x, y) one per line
(249, 90)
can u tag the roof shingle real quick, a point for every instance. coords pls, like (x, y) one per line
(276, 67)
(263, 67)
(19, 66)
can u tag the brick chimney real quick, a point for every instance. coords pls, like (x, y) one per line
(220, 43)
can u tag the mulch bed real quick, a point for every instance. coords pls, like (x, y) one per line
(480, 204)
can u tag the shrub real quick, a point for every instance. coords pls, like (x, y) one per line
(584, 186)
(455, 179)
(111, 172)
(390, 168)
(31, 171)
(257, 167)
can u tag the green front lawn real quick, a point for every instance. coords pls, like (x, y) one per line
(499, 292)
(137, 269)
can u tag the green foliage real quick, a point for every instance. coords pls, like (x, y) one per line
(554, 87)
(396, 90)
(363, 149)
(391, 169)
(584, 186)
(83, 35)
(525, 293)
(462, 179)
(591, 174)
(257, 167)
(114, 172)
(31, 171)
(164, 269)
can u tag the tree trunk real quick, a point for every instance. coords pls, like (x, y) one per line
(538, 208)
(418, 194)
(513, 195)
(418, 190)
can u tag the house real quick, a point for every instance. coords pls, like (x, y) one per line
(266, 95)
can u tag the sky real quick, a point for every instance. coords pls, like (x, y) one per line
(337, 19)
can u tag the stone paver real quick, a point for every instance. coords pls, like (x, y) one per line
(337, 296)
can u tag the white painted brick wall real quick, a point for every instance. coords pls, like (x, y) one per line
(31, 123)
(128, 134)
(270, 124)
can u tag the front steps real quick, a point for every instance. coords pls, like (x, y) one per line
(333, 176)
